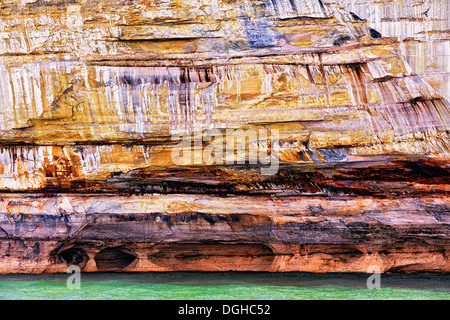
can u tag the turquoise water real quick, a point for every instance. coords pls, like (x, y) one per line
(224, 285)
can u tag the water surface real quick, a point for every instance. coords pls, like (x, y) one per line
(224, 285)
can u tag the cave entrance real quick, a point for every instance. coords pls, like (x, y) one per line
(212, 256)
(75, 256)
(113, 259)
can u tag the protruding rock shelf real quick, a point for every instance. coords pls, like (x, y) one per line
(95, 97)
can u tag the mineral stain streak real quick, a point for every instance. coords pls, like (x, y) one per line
(93, 92)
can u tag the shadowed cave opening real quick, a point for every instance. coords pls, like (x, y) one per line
(114, 258)
(212, 256)
(75, 256)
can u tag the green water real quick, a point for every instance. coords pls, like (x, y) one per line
(224, 285)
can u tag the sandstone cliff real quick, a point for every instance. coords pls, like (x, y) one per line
(92, 94)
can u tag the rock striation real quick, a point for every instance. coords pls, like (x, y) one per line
(96, 98)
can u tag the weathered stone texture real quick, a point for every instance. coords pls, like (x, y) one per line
(92, 93)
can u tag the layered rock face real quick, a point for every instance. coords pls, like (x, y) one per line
(422, 26)
(263, 135)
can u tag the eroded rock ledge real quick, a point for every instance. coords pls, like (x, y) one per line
(93, 92)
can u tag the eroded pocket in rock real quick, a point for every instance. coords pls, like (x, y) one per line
(113, 258)
(75, 256)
